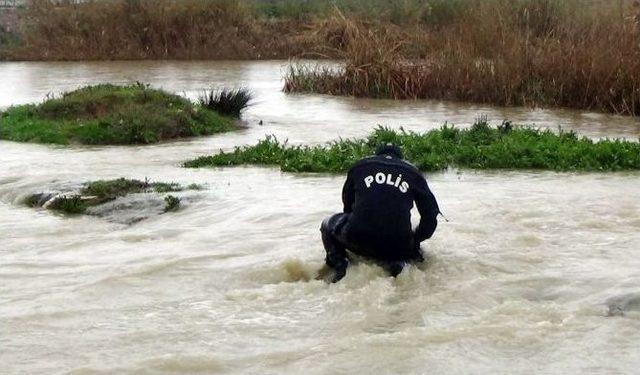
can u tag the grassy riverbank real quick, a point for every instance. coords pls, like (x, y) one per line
(108, 114)
(479, 147)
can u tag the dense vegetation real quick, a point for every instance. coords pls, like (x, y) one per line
(480, 146)
(570, 53)
(153, 29)
(200, 29)
(108, 114)
(528, 52)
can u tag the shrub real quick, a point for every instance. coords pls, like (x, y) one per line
(229, 102)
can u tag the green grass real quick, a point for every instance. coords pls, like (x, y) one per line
(109, 114)
(163, 187)
(122, 186)
(111, 189)
(479, 147)
(72, 205)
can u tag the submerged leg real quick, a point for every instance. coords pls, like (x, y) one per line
(336, 257)
(394, 267)
(418, 254)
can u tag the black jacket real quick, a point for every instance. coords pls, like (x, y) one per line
(379, 194)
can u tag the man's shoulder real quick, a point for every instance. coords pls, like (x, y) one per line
(385, 161)
(364, 161)
(410, 166)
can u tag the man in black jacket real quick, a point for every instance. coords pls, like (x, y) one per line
(376, 222)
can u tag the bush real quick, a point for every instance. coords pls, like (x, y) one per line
(228, 102)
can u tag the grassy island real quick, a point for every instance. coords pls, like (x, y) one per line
(479, 147)
(108, 114)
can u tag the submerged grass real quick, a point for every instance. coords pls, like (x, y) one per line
(171, 203)
(120, 187)
(111, 189)
(95, 193)
(72, 205)
(479, 147)
(110, 114)
(163, 187)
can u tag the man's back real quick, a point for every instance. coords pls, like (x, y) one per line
(379, 193)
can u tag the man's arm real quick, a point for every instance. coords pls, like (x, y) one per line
(428, 208)
(348, 194)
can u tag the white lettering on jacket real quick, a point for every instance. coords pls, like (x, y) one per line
(387, 179)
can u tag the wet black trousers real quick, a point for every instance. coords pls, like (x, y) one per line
(334, 231)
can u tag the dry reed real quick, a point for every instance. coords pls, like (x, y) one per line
(154, 29)
(528, 52)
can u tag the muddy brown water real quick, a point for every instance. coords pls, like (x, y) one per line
(536, 272)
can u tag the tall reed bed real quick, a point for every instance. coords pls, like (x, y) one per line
(573, 53)
(528, 52)
(155, 29)
(399, 12)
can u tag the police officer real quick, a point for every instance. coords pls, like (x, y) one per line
(376, 221)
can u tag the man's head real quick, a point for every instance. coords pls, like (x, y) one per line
(389, 149)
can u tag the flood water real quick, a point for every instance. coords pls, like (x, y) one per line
(535, 272)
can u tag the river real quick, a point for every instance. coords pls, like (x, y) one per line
(535, 272)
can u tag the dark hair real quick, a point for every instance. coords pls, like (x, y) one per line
(389, 149)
